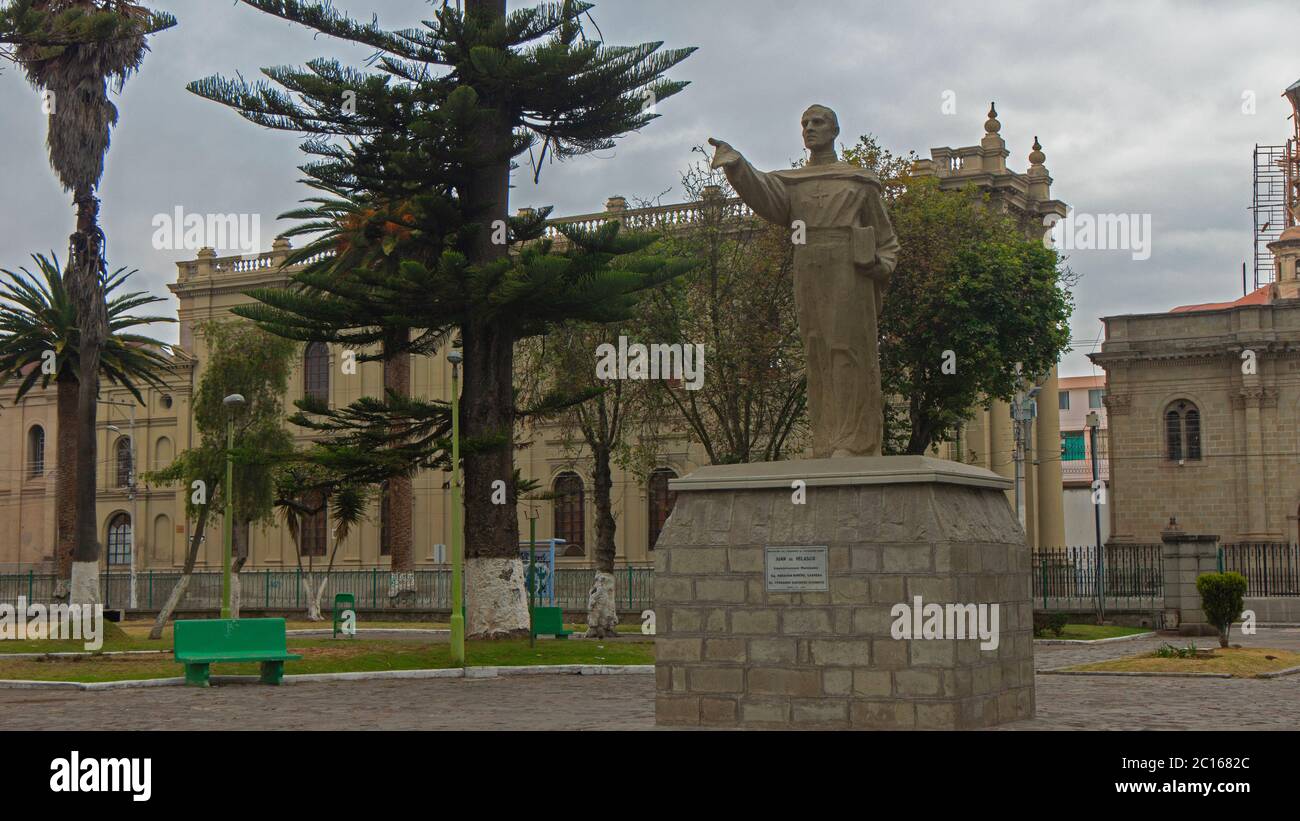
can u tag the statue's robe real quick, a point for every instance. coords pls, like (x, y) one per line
(841, 273)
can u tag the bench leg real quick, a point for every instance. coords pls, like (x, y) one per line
(272, 672)
(196, 675)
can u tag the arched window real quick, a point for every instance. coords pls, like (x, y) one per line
(312, 532)
(661, 501)
(122, 455)
(1182, 432)
(119, 540)
(570, 518)
(36, 452)
(316, 372)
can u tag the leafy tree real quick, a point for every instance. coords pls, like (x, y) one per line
(594, 413)
(971, 282)
(448, 108)
(304, 489)
(72, 50)
(246, 360)
(37, 319)
(739, 304)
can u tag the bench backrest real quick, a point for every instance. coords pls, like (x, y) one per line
(230, 635)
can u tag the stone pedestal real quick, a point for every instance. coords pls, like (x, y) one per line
(1185, 557)
(732, 651)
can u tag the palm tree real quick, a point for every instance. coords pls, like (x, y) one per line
(37, 318)
(72, 50)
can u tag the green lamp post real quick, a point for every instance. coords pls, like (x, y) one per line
(233, 403)
(455, 357)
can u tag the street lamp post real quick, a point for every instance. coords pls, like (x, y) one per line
(1094, 422)
(455, 357)
(233, 403)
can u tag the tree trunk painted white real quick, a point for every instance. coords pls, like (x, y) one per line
(173, 599)
(234, 595)
(314, 591)
(401, 585)
(85, 582)
(497, 600)
(602, 612)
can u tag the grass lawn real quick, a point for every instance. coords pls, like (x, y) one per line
(1092, 632)
(322, 655)
(1244, 662)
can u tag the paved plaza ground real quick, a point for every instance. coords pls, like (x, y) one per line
(626, 702)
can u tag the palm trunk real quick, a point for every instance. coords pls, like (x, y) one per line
(65, 483)
(497, 601)
(602, 609)
(398, 501)
(86, 291)
(183, 583)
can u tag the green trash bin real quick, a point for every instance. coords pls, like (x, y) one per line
(344, 603)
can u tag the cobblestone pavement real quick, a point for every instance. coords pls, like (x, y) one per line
(627, 702)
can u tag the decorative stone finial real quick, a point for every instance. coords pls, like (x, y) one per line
(281, 244)
(991, 125)
(616, 204)
(1037, 157)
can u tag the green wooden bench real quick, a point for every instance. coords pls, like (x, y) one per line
(549, 621)
(201, 642)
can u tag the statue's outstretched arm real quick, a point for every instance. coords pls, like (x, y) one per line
(765, 193)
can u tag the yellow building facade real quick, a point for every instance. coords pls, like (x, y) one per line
(148, 525)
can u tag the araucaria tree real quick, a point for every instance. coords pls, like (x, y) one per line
(72, 50)
(447, 109)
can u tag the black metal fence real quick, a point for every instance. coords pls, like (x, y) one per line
(1270, 568)
(286, 589)
(1129, 575)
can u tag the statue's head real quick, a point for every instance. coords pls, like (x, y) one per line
(820, 128)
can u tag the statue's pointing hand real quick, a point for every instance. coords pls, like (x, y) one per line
(723, 155)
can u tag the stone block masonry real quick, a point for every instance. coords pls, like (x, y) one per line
(731, 652)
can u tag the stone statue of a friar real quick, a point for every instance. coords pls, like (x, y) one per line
(845, 250)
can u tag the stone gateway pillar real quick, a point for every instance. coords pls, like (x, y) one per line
(862, 592)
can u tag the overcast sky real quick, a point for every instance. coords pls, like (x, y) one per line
(1139, 107)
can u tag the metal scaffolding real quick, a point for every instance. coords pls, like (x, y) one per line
(1269, 206)
(1276, 204)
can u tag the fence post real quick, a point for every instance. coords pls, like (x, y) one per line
(29, 585)
(374, 586)
(1043, 565)
(151, 588)
(297, 588)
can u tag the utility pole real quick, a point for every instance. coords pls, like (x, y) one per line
(455, 357)
(1094, 422)
(233, 403)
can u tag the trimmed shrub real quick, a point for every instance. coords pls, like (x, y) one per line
(1050, 621)
(1222, 599)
